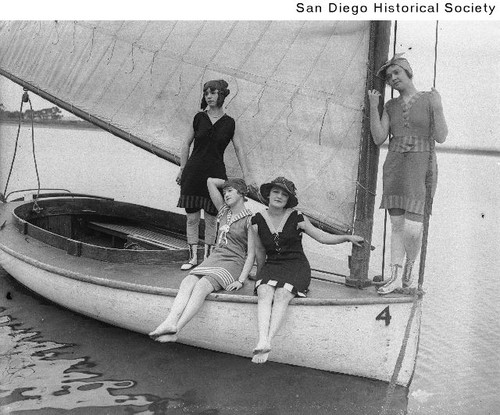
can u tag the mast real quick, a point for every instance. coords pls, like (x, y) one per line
(368, 162)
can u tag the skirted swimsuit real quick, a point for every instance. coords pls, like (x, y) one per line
(286, 264)
(225, 263)
(206, 160)
(407, 160)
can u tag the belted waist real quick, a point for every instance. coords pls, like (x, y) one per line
(409, 144)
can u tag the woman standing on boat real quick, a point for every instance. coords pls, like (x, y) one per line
(413, 119)
(211, 132)
(283, 270)
(227, 267)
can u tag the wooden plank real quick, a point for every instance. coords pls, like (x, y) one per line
(141, 235)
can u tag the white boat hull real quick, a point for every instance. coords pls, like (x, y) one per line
(340, 338)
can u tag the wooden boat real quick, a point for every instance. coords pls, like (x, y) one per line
(64, 252)
(299, 99)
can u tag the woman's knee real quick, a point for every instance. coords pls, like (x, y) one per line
(189, 280)
(414, 217)
(283, 295)
(397, 220)
(413, 228)
(193, 219)
(265, 292)
(204, 286)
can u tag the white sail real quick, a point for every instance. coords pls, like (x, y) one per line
(297, 90)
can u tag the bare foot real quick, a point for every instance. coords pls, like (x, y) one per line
(163, 328)
(166, 338)
(261, 356)
(261, 352)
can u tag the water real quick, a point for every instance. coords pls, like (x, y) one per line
(55, 361)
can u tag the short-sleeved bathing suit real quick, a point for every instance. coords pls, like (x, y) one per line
(206, 160)
(226, 261)
(407, 160)
(286, 264)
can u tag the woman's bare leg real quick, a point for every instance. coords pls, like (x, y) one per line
(397, 239)
(169, 325)
(202, 288)
(200, 291)
(264, 306)
(282, 298)
(412, 238)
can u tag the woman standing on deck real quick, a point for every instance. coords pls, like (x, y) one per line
(413, 119)
(228, 266)
(211, 132)
(283, 270)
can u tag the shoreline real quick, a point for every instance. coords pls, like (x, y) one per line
(74, 125)
(85, 125)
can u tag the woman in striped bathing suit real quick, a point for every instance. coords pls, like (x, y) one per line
(413, 120)
(226, 268)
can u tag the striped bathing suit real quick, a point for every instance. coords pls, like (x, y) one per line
(226, 262)
(407, 160)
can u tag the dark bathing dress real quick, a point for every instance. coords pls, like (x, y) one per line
(286, 264)
(407, 160)
(206, 160)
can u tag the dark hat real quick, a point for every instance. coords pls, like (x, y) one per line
(397, 60)
(282, 183)
(218, 84)
(237, 184)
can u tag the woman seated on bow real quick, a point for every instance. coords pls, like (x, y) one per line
(226, 268)
(283, 270)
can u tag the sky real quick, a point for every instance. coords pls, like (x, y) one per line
(468, 64)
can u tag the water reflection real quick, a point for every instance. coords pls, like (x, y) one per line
(36, 376)
(43, 368)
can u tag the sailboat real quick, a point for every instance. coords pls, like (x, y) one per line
(298, 95)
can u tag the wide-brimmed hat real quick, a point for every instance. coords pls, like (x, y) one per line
(397, 60)
(282, 183)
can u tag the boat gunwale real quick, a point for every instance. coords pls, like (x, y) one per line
(171, 292)
(84, 249)
(155, 290)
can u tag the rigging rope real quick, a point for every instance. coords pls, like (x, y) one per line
(428, 181)
(417, 299)
(25, 98)
(15, 146)
(384, 244)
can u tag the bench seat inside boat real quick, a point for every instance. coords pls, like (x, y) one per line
(146, 238)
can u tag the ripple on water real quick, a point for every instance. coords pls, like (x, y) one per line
(35, 376)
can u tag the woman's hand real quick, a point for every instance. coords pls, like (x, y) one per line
(234, 286)
(179, 175)
(374, 97)
(356, 240)
(436, 103)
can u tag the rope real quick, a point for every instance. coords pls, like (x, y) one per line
(418, 293)
(15, 147)
(25, 98)
(392, 385)
(428, 182)
(385, 210)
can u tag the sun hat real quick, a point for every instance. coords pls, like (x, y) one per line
(398, 60)
(282, 183)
